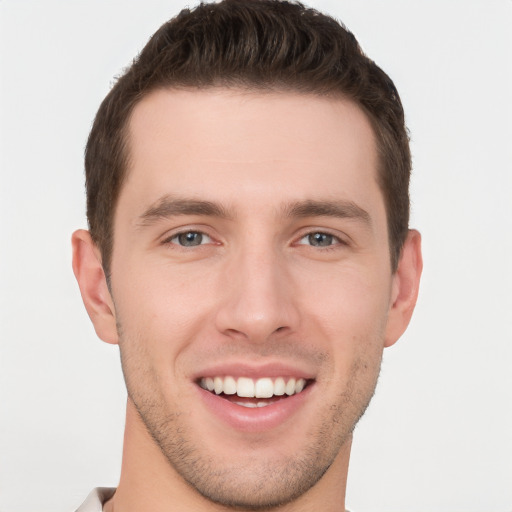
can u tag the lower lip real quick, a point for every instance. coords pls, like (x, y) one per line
(256, 419)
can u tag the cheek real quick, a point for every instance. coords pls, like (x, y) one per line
(162, 308)
(347, 312)
(162, 292)
(347, 299)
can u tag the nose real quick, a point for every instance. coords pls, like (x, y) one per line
(258, 299)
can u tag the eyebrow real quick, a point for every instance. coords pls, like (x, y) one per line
(340, 209)
(170, 206)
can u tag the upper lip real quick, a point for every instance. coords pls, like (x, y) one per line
(254, 371)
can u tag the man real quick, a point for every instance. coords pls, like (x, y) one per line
(249, 251)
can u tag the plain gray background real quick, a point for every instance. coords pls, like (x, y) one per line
(438, 435)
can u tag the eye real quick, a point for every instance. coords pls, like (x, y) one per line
(319, 239)
(189, 239)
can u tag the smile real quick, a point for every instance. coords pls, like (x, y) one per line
(246, 388)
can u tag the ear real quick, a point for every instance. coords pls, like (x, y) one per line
(93, 286)
(406, 282)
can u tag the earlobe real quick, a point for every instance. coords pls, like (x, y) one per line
(405, 289)
(93, 286)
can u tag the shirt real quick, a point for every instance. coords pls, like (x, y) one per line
(94, 502)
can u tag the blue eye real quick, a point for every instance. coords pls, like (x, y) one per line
(319, 239)
(190, 239)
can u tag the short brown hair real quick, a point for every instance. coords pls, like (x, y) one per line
(256, 45)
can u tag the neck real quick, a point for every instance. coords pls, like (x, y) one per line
(149, 482)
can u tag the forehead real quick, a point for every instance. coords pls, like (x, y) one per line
(225, 144)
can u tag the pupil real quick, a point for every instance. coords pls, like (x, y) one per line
(190, 239)
(320, 239)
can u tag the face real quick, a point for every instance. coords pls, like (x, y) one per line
(252, 285)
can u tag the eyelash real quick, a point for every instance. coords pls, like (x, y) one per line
(169, 240)
(335, 240)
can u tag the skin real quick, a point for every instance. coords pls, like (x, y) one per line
(257, 290)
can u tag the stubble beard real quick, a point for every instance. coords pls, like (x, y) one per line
(244, 484)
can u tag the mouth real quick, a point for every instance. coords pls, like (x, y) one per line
(254, 393)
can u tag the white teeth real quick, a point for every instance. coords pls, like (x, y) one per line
(264, 388)
(209, 385)
(290, 387)
(245, 387)
(249, 388)
(250, 405)
(279, 386)
(229, 386)
(218, 385)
